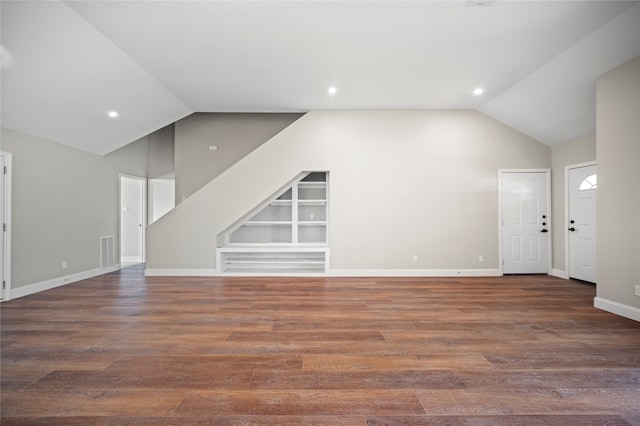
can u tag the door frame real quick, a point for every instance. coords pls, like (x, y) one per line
(547, 173)
(566, 211)
(6, 192)
(144, 215)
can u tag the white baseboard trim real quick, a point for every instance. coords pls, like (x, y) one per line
(165, 272)
(168, 272)
(626, 311)
(560, 273)
(57, 282)
(414, 272)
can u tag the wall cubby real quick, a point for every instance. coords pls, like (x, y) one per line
(285, 235)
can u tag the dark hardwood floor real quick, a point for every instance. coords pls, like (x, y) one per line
(125, 349)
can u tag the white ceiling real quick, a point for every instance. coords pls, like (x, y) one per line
(69, 63)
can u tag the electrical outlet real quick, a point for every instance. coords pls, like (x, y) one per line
(64, 264)
(415, 257)
(638, 290)
(481, 258)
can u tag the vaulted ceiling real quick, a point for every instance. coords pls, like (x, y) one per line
(65, 65)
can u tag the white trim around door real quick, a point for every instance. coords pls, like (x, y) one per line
(5, 227)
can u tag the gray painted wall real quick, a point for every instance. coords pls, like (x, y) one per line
(235, 135)
(618, 148)
(63, 201)
(161, 156)
(396, 177)
(402, 183)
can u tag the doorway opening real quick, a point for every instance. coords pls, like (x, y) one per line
(133, 194)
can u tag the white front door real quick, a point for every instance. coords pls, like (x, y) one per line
(525, 222)
(582, 192)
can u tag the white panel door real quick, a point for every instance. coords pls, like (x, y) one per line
(132, 222)
(582, 223)
(525, 222)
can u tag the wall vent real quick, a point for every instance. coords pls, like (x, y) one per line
(106, 252)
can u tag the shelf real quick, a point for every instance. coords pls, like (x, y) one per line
(284, 235)
(263, 261)
(312, 184)
(275, 260)
(271, 247)
(247, 272)
(268, 223)
(312, 202)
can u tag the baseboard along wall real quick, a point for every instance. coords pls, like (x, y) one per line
(620, 309)
(60, 281)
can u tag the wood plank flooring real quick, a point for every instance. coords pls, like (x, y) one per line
(123, 349)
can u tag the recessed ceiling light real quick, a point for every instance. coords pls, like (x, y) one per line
(478, 91)
(332, 90)
(113, 114)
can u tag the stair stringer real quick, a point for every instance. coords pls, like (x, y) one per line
(184, 241)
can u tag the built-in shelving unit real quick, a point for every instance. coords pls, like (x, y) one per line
(273, 260)
(285, 235)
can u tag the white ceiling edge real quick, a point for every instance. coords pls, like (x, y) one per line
(41, 109)
(552, 118)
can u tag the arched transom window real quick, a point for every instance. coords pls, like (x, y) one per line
(589, 183)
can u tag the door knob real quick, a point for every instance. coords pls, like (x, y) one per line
(572, 229)
(544, 230)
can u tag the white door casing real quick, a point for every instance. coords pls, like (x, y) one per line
(5, 225)
(525, 221)
(581, 222)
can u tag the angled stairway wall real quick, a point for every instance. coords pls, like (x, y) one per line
(405, 185)
(234, 135)
(186, 238)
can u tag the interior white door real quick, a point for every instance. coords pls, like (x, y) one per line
(525, 222)
(582, 223)
(132, 220)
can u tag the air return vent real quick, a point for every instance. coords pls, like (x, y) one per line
(106, 252)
